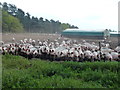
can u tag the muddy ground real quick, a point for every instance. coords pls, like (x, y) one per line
(7, 37)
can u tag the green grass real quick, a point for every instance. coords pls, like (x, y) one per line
(18, 72)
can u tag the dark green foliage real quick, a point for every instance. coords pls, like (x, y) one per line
(18, 72)
(33, 24)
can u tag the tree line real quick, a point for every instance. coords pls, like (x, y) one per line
(16, 20)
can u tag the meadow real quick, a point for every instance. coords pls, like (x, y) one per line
(19, 72)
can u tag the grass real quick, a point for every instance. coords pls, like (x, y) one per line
(19, 72)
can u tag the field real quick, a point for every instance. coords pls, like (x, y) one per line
(19, 72)
(7, 37)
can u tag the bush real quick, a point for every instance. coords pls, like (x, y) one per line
(19, 72)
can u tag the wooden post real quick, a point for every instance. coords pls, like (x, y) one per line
(99, 46)
(100, 49)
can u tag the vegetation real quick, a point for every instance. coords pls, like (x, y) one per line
(10, 23)
(19, 72)
(31, 23)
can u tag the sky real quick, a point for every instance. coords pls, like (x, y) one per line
(86, 14)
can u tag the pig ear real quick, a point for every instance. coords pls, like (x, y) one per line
(37, 50)
(12, 48)
(28, 50)
(119, 55)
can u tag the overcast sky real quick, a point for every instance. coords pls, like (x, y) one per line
(86, 14)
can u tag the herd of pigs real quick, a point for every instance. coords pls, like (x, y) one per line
(61, 50)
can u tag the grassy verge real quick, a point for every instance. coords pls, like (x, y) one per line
(19, 72)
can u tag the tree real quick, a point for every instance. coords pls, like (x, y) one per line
(41, 19)
(28, 15)
(5, 6)
(64, 26)
(10, 23)
(30, 24)
(27, 22)
(73, 26)
(20, 15)
(12, 10)
(0, 4)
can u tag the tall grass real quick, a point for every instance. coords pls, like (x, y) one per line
(18, 72)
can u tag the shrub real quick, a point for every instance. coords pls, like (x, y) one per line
(19, 72)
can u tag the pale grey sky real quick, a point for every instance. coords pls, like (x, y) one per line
(86, 14)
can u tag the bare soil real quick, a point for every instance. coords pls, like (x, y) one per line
(7, 37)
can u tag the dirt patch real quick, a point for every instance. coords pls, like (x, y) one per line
(7, 37)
